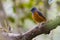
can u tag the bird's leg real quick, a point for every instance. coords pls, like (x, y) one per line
(39, 24)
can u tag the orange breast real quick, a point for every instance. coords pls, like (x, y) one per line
(37, 18)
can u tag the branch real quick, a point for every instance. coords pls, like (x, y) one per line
(34, 32)
(44, 28)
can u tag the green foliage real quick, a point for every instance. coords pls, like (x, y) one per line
(14, 9)
(4, 0)
(21, 6)
(59, 8)
(22, 20)
(27, 5)
(29, 16)
(11, 19)
(58, 4)
(30, 4)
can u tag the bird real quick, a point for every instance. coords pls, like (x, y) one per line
(37, 16)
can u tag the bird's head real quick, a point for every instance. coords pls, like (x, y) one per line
(33, 10)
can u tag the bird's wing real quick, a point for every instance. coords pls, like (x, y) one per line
(40, 14)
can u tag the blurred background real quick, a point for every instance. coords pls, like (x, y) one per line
(16, 16)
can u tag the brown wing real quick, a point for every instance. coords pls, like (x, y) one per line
(38, 18)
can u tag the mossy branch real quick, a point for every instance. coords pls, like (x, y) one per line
(44, 28)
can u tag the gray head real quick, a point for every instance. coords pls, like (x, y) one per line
(33, 9)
